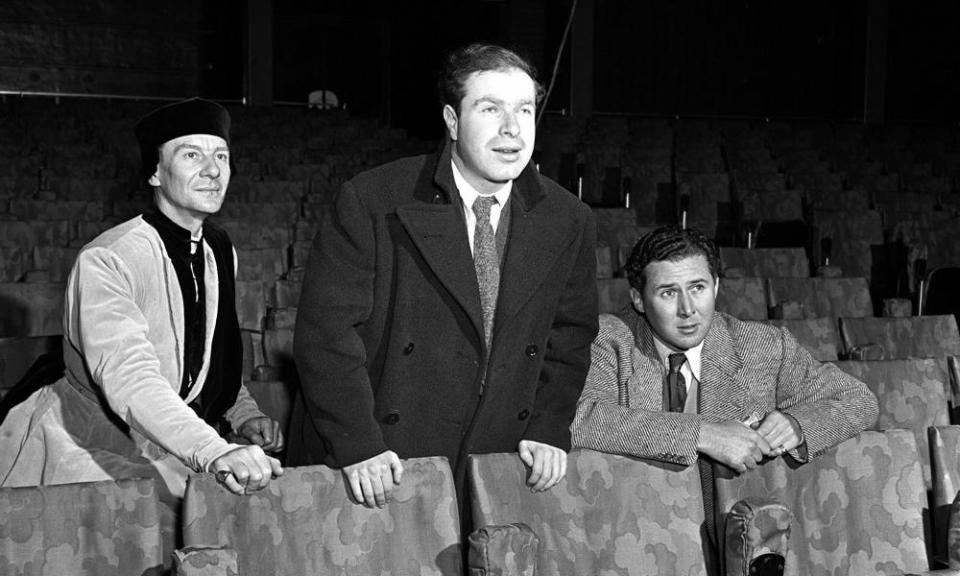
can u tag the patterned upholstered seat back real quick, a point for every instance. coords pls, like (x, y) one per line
(857, 509)
(610, 515)
(818, 335)
(912, 395)
(765, 262)
(910, 337)
(109, 527)
(823, 297)
(304, 523)
(743, 298)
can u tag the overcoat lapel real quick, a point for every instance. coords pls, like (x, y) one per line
(436, 227)
(722, 389)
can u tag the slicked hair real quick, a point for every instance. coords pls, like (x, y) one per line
(459, 64)
(669, 243)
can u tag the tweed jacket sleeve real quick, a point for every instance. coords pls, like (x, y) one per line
(612, 417)
(828, 404)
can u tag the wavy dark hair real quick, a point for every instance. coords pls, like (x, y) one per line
(670, 243)
(460, 63)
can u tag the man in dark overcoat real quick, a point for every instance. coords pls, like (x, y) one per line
(450, 300)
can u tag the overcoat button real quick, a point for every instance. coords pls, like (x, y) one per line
(523, 415)
(532, 350)
(391, 418)
(408, 350)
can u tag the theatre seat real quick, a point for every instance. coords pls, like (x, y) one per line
(912, 394)
(109, 527)
(765, 262)
(609, 515)
(858, 509)
(304, 523)
(743, 298)
(819, 297)
(903, 337)
(819, 336)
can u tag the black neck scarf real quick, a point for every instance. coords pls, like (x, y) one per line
(222, 383)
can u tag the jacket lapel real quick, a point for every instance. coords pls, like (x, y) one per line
(436, 227)
(722, 391)
(537, 237)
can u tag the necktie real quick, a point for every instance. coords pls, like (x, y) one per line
(486, 263)
(676, 383)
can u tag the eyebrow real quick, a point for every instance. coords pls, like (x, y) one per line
(499, 101)
(180, 147)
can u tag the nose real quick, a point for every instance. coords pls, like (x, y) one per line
(685, 307)
(510, 126)
(211, 168)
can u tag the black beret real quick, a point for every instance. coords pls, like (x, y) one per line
(194, 116)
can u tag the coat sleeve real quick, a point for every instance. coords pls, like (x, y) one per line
(828, 404)
(608, 420)
(335, 302)
(123, 362)
(567, 356)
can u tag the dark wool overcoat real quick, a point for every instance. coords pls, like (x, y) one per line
(389, 341)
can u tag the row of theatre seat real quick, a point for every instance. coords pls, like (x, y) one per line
(877, 504)
(859, 509)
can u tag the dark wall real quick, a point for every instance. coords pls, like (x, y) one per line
(137, 47)
(731, 58)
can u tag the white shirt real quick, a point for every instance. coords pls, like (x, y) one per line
(690, 368)
(468, 194)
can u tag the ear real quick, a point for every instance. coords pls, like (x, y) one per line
(716, 286)
(637, 300)
(450, 119)
(154, 180)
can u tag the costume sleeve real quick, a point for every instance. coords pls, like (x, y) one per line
(335, 301)
(567, 356)
(123, 362)
(828, 404)
(607, 421)
(243, 409)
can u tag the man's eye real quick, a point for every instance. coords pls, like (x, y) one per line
(668, 293)
(222, 156)
(191, 155)
(697, 288)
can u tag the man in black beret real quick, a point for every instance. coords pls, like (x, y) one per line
(152, 349)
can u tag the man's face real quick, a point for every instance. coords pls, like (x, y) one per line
(495, 128)
(678, 300)
(192, 177)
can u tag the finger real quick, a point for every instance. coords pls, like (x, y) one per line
(277, 437)
(396, 467)
(266, 433)
(276, 469)
(536, 470)
(355, 488)
(526, 455)
(556, 472)
(376, 486)
(368, 498)
(543, 462)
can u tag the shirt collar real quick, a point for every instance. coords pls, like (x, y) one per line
(693, 355)
(468, 193)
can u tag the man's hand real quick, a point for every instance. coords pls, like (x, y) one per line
(781, 431)
(246, 469)
(734, 444)
(548, 464)
(371, 481)
(264, 432)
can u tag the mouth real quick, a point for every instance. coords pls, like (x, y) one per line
(508, 152)
(688, 329)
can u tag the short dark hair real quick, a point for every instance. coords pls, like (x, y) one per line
(460, 63)
(669, 243)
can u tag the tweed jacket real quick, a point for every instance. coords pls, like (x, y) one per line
(747, 368)
(389, 340)
(117, 412)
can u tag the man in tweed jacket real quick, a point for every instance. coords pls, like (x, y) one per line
(752, 391)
